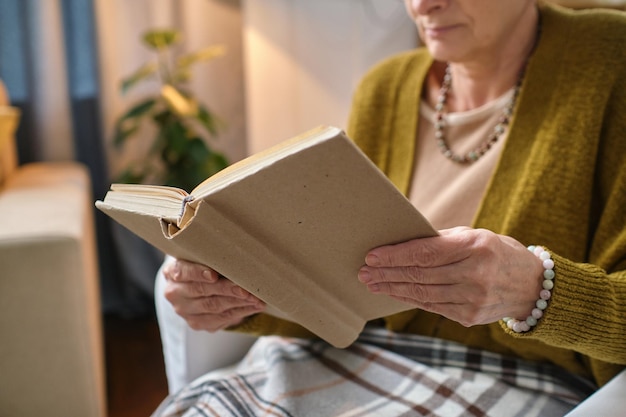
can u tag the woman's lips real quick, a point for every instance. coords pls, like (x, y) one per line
(435, 32)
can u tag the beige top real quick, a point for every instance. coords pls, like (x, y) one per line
(447, 193)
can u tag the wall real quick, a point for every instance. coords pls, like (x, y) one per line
(304, 58)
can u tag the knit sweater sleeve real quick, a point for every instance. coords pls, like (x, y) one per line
(587, 313)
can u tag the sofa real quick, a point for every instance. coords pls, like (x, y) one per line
(51, 346)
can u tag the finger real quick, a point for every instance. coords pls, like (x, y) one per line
(444, 275)
(451, 283)
(452, 245)
(184, 271)
(465, 307)
(456, 312)
(213, 323)
(454, 230)
(213, 305)
(424, 252)
(416, 293)
(196, 289)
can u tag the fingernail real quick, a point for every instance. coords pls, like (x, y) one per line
(172, 271)
(364, 276)
(372, 260)
(373, 287)
(208, 275)
(241, 293)
(244, 295)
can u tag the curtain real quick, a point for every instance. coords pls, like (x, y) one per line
(309, 56)
(49, 65)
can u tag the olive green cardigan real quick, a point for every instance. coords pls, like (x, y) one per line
(560, 183)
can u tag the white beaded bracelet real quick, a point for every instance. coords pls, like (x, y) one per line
(520, 326)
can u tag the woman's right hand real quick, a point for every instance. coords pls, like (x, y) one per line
(206, 300)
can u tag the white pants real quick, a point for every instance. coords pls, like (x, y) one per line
(188, 353)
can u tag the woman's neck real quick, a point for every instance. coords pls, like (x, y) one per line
(485, 78)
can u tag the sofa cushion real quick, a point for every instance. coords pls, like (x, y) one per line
(45, 199)
(51, 354)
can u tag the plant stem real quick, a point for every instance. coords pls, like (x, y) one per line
(164, 67)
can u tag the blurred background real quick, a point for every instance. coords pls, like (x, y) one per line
(289, 65)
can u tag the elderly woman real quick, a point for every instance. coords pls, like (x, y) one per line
(506, 130)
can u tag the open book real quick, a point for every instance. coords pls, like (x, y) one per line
(291, 225)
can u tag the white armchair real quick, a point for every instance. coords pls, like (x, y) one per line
(608, 401)
(51, 353)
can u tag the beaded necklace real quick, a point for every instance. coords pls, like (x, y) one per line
(503, 122)
(473, 155)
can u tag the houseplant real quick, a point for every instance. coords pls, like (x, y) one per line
(179, 153)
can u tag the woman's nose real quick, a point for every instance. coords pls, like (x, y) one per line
(424, 7)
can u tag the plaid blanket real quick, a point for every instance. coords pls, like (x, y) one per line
(382, 374)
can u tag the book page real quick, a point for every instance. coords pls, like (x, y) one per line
(157, 200)
(148, 189)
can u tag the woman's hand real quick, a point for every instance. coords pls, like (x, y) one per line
(206, 300)
(471, 276)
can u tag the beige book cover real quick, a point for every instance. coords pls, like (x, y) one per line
(292, 225)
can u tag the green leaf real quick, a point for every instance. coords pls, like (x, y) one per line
(128, 124)
(131, 175)
(163, 117)
(181, 77)
(196, 163)
(197, 151)
(161, 38)
(123, 131)
(175, 143)
(144, 72)
(215, 163)
(207, 119)
(140, 109)
(206, 54)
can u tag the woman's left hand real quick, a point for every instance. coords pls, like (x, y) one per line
(472, 276)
